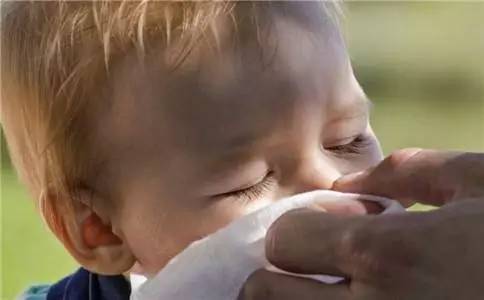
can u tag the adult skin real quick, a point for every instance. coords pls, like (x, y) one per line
(417, 255)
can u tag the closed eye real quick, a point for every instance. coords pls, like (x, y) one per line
(353, 147)
(252, 192)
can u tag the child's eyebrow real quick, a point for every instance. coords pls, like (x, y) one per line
(360, 105)
(242, 140)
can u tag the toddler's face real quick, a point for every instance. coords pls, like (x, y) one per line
(185, 153)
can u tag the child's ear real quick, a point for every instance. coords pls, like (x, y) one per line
(86, 235)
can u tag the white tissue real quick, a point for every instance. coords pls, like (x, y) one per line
(215, 268)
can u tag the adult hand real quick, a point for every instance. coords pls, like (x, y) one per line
(419, 255)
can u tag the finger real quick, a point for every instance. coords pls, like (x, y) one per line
(355, 247)
(431, 177)
(265, 285)
(311, 242)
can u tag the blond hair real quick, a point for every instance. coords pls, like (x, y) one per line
(55, 54)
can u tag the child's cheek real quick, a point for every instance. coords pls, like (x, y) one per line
(257, 204)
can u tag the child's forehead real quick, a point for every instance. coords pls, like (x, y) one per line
(229, 100)
(280, 45)
(288, 54)
(295, 63)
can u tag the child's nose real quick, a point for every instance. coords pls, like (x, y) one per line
(312, 173)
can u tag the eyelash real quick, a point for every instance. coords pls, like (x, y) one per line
(253, 192)
(354, 147)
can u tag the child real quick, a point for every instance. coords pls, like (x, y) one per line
(141, 127)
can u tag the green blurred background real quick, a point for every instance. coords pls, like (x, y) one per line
(421, 63)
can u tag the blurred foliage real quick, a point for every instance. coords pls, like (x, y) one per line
(421, 63)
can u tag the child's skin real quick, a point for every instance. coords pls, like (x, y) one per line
(171, 147)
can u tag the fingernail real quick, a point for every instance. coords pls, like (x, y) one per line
(354, 176)
(401, 156)
(349, 179)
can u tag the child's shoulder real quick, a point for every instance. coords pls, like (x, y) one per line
(82, 285)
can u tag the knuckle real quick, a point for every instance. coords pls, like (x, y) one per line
(381, 251)
(282, 230)
(354, 241)
(257, 286)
